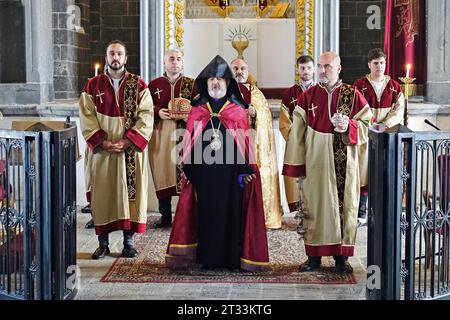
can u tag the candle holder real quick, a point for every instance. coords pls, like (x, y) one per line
(407, 81)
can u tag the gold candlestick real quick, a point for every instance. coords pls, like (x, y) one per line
(407, 81)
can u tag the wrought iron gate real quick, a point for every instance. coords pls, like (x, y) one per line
(409, 203)
(38, 214)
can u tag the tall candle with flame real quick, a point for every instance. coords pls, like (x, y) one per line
(97, 66)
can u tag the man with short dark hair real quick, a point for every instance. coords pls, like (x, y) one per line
(386, 101)
(305, 69)
(116, 116)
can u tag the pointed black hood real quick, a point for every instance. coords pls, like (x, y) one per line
(218, 68)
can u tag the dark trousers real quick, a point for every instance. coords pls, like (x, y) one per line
(362, 211)
(103, 240)
(340, 259)
(165, 208)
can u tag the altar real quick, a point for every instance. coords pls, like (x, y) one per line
(267, 45)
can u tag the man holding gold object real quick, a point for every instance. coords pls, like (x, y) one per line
(264, 141)
(326, 149)
(305, 70)
(171, 94)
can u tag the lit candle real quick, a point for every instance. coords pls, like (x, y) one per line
(408, 68)
(97, 66)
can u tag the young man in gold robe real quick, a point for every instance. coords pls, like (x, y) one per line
(264, 141)
(116, 116)
(305, 69)
(386, 101)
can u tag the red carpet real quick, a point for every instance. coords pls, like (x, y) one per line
(286, 253)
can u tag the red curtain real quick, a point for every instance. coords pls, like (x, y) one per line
(405, 39)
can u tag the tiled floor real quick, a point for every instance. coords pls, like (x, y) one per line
(91, 272)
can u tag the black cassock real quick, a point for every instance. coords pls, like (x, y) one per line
(219, 197)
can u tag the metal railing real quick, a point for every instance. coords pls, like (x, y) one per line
(408, 227)
(38, 214)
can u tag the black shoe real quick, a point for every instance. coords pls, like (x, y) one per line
(129, 252)
(163, 222)
(311, 264)
(100, 253)
(86, 209)
(344, 267)
(90, 224)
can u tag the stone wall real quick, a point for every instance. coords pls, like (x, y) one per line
(112, 20)
(81, 30)
(356, 39)
(70, 47)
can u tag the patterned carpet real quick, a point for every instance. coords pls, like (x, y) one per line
(285, 250)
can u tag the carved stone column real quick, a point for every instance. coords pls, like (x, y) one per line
(152, 39)
(38, 85)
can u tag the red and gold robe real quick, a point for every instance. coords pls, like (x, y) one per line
(103, 117)
(288, 103)
(266, 155)
(183, 240)
(166, 174)
(390, 108)
(334, 166)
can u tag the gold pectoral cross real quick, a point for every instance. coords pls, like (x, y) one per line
(313, 108)
(158, 92)
(99, 95)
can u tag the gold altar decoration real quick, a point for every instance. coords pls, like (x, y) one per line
(223, 12)
(174, 19)
(179, 18)
(304, 35)
(311, 28)
(167, 21)
(262, 13)
(300, 33)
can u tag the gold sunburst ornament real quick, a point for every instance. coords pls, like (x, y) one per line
(240, 39)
